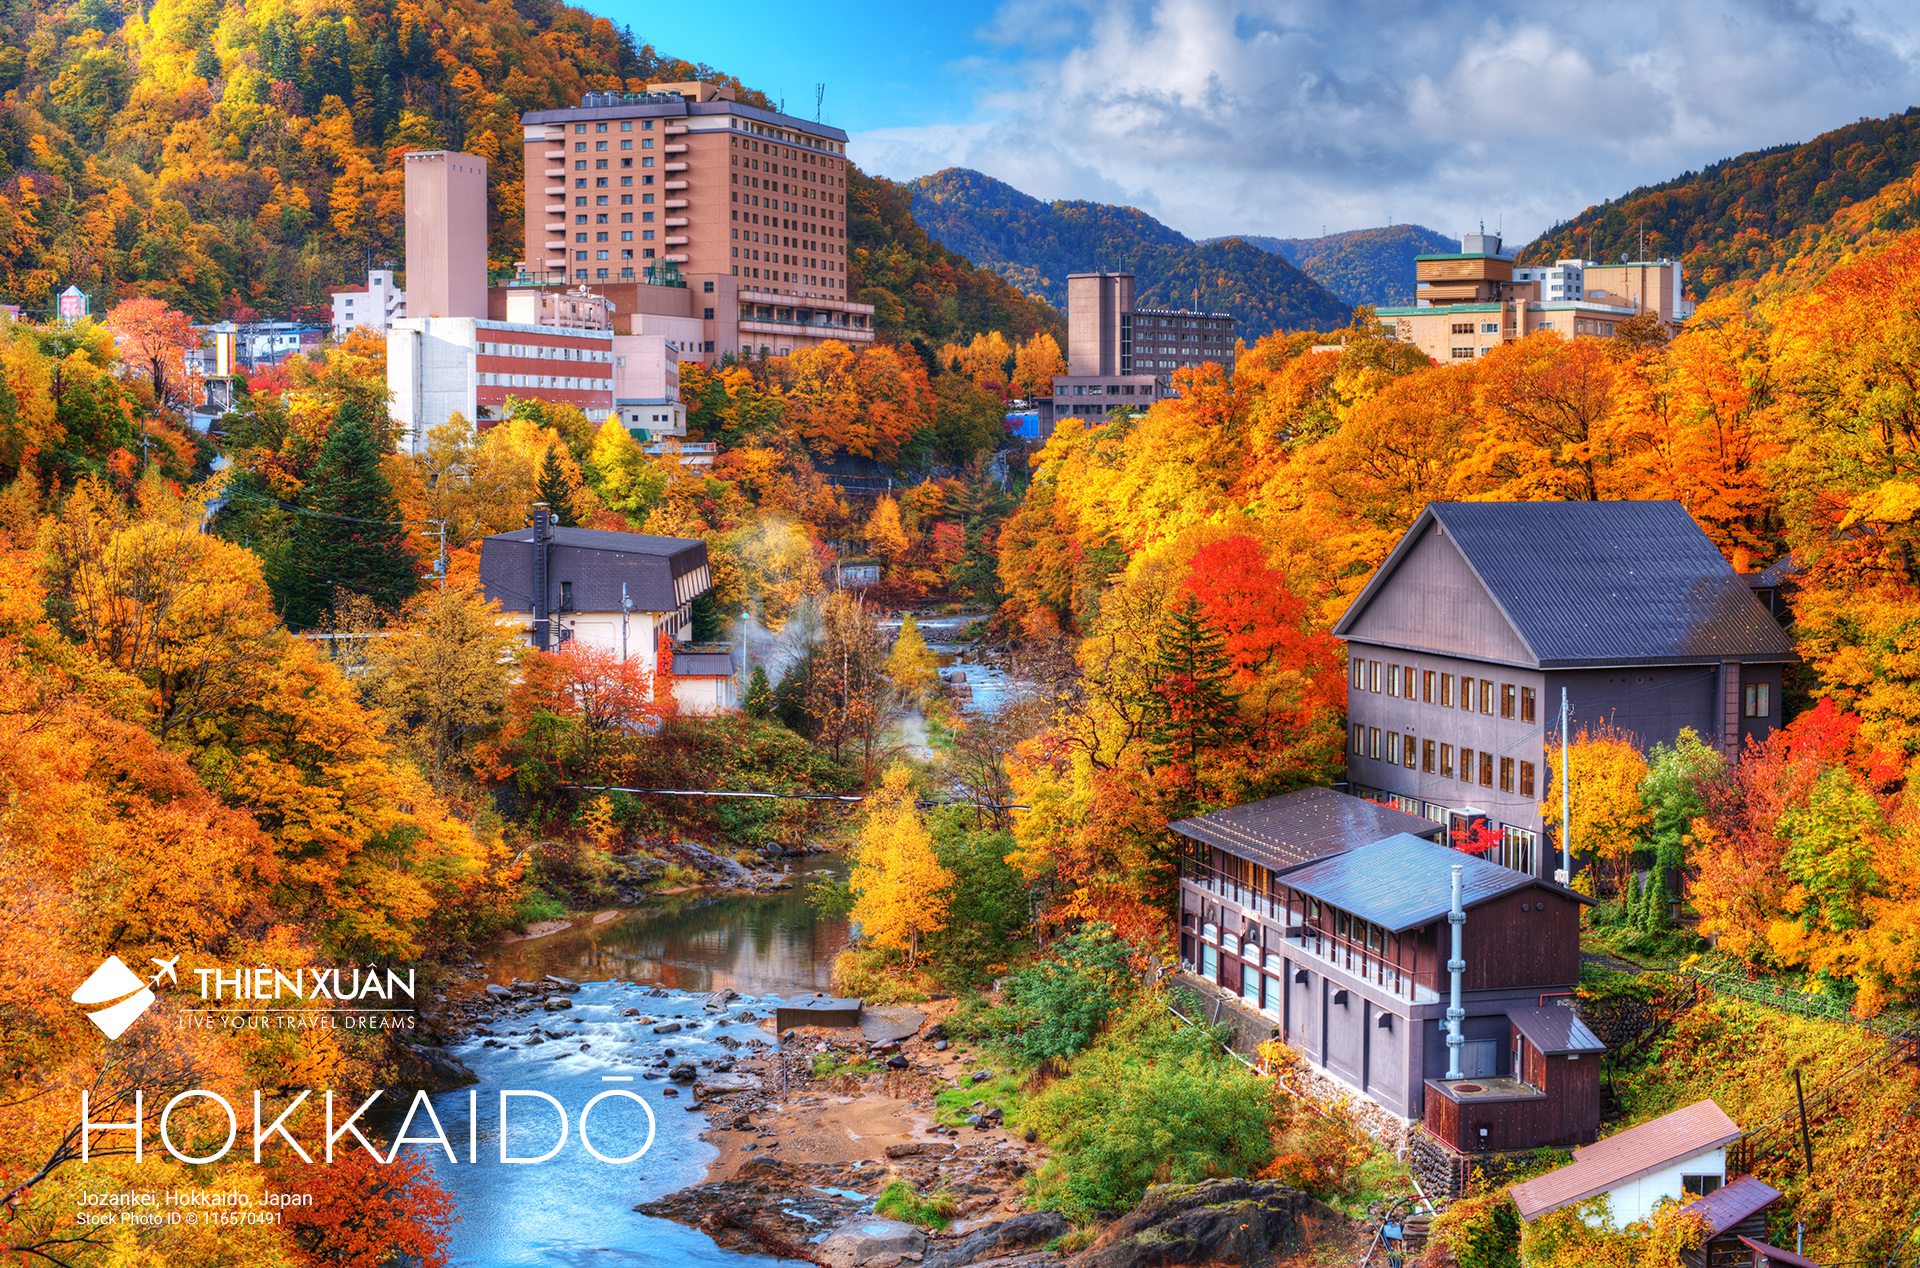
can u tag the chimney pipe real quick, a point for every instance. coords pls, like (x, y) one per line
(542, 538)
(1456, 917)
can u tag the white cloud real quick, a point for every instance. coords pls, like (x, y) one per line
(1268, 116)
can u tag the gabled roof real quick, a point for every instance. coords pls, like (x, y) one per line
(1599, 583)
(1733, 1202)
(1404, 882)
(1555, 1031)
(1625, 1156)
(1299, 827)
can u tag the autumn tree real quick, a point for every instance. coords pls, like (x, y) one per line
(444, 671)
(911, 667)
(899, 885)
(156, 339)
(1609, 819)
(348, 534)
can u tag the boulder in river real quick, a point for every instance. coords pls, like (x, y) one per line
(863, 1240)
(433, 1069)
(1248, 1222)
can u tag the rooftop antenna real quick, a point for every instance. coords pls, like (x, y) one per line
(819, 97)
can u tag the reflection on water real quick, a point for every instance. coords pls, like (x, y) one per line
(752, 944)
(574, 1210)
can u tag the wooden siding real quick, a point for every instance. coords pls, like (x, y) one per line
(1505, 947)
(1434, 601)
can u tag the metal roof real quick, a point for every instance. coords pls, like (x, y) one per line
(1404, 882)
(1627, 1156)
(1600, 583)
(1555, 1031)
(1299, 827)
(1733, 1202)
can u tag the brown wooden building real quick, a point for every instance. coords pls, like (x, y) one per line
(1342, 943)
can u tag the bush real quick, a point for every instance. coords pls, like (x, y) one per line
(901, 1201)
(1154, 1101)
(1056, 1005)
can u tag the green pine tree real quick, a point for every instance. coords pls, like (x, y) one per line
(759, 702)
(352, 538)
(1193, 709)
(555, 491)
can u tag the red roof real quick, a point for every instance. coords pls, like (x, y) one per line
(1627, 1156)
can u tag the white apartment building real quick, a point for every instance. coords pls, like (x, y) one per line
(376, 306)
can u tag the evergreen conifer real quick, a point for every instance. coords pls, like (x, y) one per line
(556, 492)
(352, 538)
(759, 702)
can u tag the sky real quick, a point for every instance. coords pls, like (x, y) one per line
(1284, 117)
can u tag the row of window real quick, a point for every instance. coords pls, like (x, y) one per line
(1432, 687)
(1434, 758)
(544, 352)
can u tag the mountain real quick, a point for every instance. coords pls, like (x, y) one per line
(1036, 245)
(1745, 220)
(1361, 266)
(220, 155)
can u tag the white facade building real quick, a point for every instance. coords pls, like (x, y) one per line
(375, 306)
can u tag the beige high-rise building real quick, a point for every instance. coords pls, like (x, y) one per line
(446, 234)
(685, 185)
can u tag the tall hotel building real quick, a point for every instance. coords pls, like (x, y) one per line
(685, 174)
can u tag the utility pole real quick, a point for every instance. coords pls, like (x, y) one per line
(1566, 798)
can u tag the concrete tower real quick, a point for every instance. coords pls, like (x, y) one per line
(446, 234)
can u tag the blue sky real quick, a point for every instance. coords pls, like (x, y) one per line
(1279, 116)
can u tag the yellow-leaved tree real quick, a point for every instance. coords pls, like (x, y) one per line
(1609, 820)
(900, 888)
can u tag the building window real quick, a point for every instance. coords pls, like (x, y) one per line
(1508, 700)
(1529, 700)
(1466, 764)
(1408, 752)
(1373, 742)
(1486, 695)
(1426, 756)
(1758, 704)
(1526, 779)
(1446, 760)
(1446, 691)
(1506, 774)
(1393, 748)
(1486, 770)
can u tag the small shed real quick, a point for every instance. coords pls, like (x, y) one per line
(1734, 1212)
(817, 1009)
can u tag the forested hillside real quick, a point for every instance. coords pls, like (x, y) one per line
(1746, 218)
(1361, 266)
(221, 156)
(1036, 245)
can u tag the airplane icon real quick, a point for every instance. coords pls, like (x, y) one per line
(166, 971)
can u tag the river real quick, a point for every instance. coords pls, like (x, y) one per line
(574, 1210)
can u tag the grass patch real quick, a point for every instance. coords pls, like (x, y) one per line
(903, 1202)
(827, 1066)
(952, 1105)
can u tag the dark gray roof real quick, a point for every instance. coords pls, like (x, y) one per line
(1555, 1031)
(1404, 881)
(597, 569)
(1299, 827)
(1601, 583)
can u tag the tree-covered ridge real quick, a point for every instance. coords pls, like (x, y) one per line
(920, 287)
(1746, 217)
(1361, 266)
(1038, 244)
